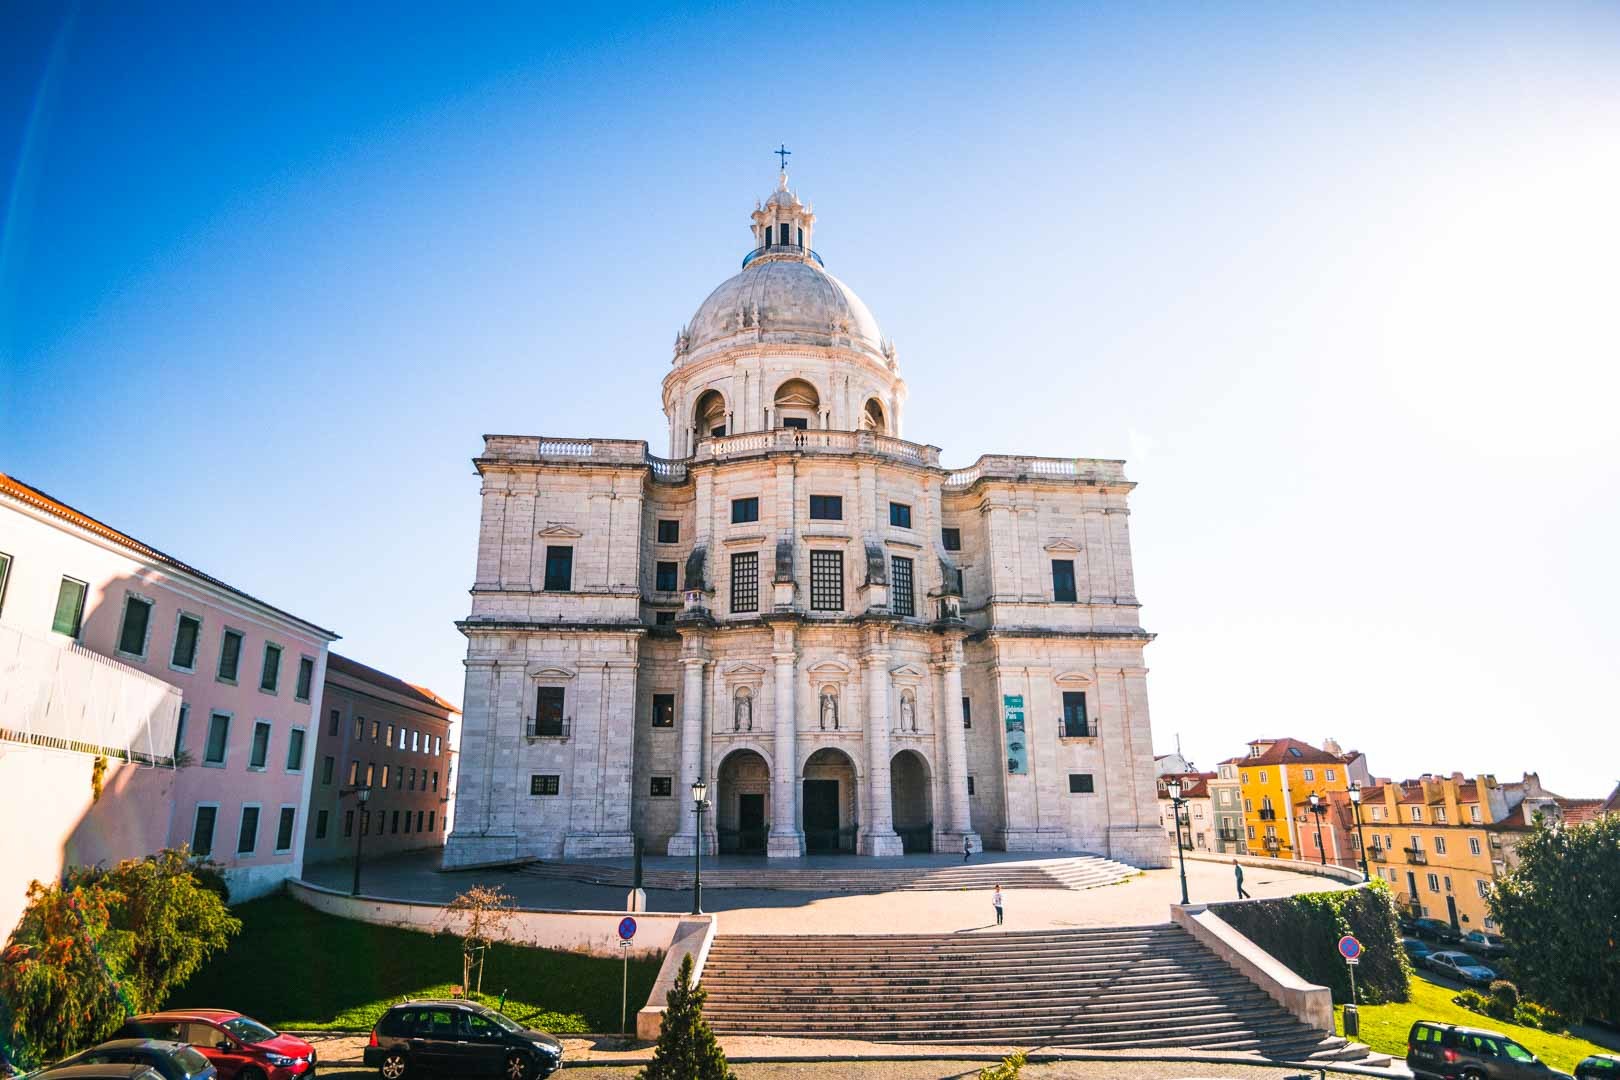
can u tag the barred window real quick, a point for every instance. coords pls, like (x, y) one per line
(826, 581)
(745, 581)
(662, 787)
(545, 785)
(905, 602)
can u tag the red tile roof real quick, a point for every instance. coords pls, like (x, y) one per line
(356, 670)
(1295, 752)
(39, 500)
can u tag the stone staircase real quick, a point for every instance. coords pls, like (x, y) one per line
(1077, 872)
(1131, 988)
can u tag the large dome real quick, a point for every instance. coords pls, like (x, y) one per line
(785, 300)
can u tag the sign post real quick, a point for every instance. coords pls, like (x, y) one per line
(1350, 949)
(627, 930)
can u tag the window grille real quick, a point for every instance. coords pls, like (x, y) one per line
(745, 581)
(905, 600)
(826, 581)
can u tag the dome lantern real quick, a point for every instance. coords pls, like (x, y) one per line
(783, 226)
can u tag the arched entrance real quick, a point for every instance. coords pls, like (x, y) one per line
(742, 798)
(709, 415)
(831, 813)
(912, 797)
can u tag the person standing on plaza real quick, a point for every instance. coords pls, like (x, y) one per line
(1238, 871)
(995, 899)
(967, 848)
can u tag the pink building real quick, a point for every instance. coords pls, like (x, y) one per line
(95, 628)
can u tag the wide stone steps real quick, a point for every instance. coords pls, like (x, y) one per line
(1105, 989)
(1078, 872)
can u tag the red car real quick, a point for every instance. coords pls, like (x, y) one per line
(239, 1047)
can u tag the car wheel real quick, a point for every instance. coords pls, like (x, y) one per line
(394, 1066)
(517, 1067)
(1473, 1074)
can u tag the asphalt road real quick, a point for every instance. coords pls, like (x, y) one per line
(935, 1070)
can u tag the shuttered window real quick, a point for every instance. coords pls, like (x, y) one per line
(186, 633)
(306, 676)
(202, 832)
(69, 607)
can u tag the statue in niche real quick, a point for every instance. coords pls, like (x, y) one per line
(742, 717)
(829, 708)
(908, 712)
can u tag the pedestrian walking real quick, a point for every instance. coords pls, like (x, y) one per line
(967, 848)
(996, 900)
(1238, 870)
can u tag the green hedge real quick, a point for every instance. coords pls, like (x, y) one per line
(1303, 932)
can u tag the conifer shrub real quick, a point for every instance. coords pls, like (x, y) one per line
(687, 1049)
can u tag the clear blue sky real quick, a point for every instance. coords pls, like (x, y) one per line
(1337, 279)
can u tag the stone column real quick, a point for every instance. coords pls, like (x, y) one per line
(956, 766)
(786, 838)
(880, 837)
(685, 839)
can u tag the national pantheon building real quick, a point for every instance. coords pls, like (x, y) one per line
(858, 649)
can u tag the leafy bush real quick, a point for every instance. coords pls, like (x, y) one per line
(1532, 1015)
(1503, 1002)
(1303, 932)
(1472, 1000)
(1010, 1068)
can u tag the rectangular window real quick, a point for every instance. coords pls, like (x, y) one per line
(826, 580)
(663, 618)
(668, 577)
(333, 720)
(328, 767)
(559, 568)
(371, 772)
(1080, 783)
(295, 750)
(826, 508)
(410, 781)
(1483, 889)
(548, 710)
(187, 635)
(1417, 813)
(132, 632)
(663, 713)
(952, 538)
(545, 785)
(970, 785)
(669, 532)
(219, 728)
(430, 820)
(798, 423)
(900, 515)
(284, 828)
(306, 675)
(1310, 774)
(1440, 813)
(743, 510)
(745, 581)
(365, 823)
(967, 712)
(320, 825)
(1434, 883)
(387, 772)
(1263, 776)
(407, 821)
(261, 745)
(905, 601)
(69, 607)
(359, 727)
(662, 787)
(436, 745)
(1250, 830)
(389, 741)
(180, 729)
(1063, 581)
(435, 779)
(416, 742)
(354, 771)
(1439, 845)
(247, 836)
(1076, 725)
(202, 830)
(1473, 845)
(395, 827)
(348, 823)
(402, 738)
(1330, 774)
(1473, 812)
(5, 575)
(376, 729)
(270, 675)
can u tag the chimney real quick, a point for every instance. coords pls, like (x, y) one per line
(1331, 745)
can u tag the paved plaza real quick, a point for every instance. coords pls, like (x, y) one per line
(1138, 901)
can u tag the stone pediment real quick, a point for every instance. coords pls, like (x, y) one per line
(908, 672)
(538, 671)
(828, 669)
(743, 668)
(1073, 678)
(557, 531)
(1061, 543)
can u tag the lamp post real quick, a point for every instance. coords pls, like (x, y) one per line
(1318, 807)
(1173, 787)
(700, 796)
(361, 795)
(1361, 841)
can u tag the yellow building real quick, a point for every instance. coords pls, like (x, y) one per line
(1276, 774)
(1431, 839)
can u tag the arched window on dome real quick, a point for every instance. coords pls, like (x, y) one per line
(783, 234)
(797, 405)
(872, 418)
(709, 415)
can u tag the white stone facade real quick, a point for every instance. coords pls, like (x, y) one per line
(773, 647)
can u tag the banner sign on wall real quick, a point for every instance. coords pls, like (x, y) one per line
(1012, 706)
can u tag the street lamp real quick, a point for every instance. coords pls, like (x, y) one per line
(1361, 841)
(700, 803)
(361, 795)
(1173, 786)
(1318, 807)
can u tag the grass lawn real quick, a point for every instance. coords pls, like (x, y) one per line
(1385, 1027)
(295, 967)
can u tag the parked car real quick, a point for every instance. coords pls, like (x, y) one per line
(173, 1060)
(1598, 1067)
(1458, 1053)
(1416, 948)
(1486, 944)
(109, 1071)
(1460, 966)
(459, 1038)
(1436, 929)
(239, 1047)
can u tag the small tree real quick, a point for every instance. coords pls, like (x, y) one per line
(478, 916)
(1560, 910)
(686, 1048)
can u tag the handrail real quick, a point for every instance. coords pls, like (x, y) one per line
(782, 249)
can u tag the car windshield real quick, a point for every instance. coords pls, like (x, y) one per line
(502, 1020)
(194, 1063)
(249, 1031)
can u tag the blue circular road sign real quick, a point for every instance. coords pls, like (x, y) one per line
(1349, 948)
(627, 928)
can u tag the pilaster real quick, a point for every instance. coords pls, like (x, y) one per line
(878, 836)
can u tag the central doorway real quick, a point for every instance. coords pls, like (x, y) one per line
(911, 796)
(750, 824)
(831, 820)
(742, 784)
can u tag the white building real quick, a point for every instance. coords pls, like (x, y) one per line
(859, 649)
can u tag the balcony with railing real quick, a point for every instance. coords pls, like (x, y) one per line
(1377, 854)
(548, 728)
(1416, 855)
(1267, 814)
(796, 250)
